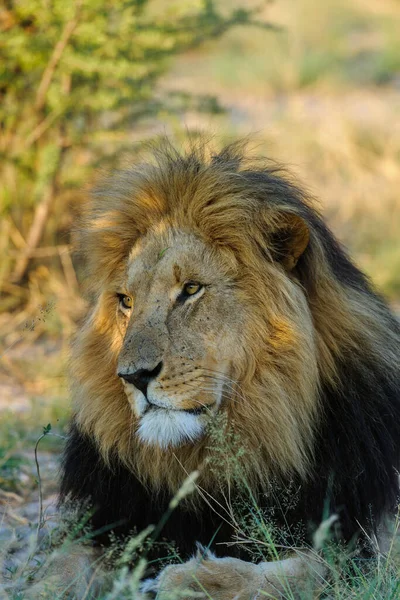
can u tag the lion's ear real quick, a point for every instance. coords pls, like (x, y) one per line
(289, 240)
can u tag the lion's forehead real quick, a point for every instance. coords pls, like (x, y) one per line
(163, 262)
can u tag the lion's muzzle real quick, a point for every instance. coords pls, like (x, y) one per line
(142, 377)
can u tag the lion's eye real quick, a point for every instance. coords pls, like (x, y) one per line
(191, 288)
(125, 301)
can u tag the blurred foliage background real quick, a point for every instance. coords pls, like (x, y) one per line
(84, 83)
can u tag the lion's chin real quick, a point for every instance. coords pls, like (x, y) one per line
(170, 428)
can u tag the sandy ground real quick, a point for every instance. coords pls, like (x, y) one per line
(19, 516)
(19, 508)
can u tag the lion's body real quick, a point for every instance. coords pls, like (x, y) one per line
(302, 356)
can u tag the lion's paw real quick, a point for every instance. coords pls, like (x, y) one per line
(205, 576)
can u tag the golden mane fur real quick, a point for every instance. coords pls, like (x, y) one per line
(294, 336)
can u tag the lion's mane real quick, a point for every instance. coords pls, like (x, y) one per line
(320, 393)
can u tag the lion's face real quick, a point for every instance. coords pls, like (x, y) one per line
(180, 321)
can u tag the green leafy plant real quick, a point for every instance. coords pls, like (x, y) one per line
(78, 81)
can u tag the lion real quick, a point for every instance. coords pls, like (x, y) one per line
(218, 298)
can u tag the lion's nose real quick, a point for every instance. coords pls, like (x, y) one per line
(142, 377)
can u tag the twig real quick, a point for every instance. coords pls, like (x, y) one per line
(39, 221)
(46, 431)
(17, 518)
(9, 496)
(68, 267)
(41, 128)
(55, 58)
(40, 518)
(16, 236)
(43, 252)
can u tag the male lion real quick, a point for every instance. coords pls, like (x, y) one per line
(218, 298)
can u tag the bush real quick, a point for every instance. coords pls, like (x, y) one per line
(78, 79)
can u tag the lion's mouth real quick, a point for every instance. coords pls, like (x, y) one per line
(199, 410)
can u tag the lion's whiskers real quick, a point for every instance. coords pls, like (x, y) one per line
(208, 389)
